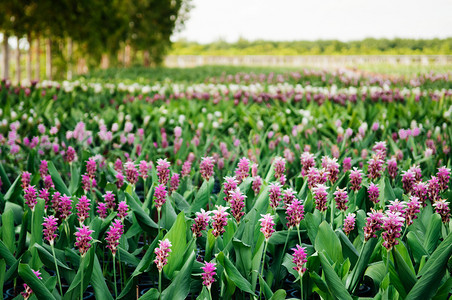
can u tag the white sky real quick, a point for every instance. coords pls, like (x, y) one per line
(345, 20)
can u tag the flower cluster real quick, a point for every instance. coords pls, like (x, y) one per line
(220, 220)
(243, 169)
(114, 233)
(83, 239)
(320, 197)
(442, 208)
(299, 259)
(208, 275)
(163, 171)
(374, 193)
(349, 223)
(83, 208)
(295, 213)
(267, 225)
(50, 226)
(373, 224)
(201, 222)
(206, 167)
(341, 198)
(162, 253)
(356, 178)
(392, 227)
(237, 204)
(229, 185)
(274, 194)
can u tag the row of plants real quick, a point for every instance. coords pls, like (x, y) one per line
(115, 199)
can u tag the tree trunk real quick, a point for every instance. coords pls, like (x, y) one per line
(29, 57)
(70, 45)
(38, 58)
(17, 62)
(127, 55)
(5, 56)
(105, 61)
(48, 59)
(146, 60)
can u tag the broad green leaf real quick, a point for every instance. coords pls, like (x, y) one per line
(98, 282)
(376, 271)
(444, 290)
(143, 218)
(2, 275)
(266, 290)
(152, 294)
(243, 257)
(234, 274)
(335, 285)
(416, 247)
(204, 294)
(356, 275)
(37, 285)
(279, 295)
(180, 285)
(47, 258)
(202, 196)
(326, 240)
(177, 236)
(7, 230)
(433, 233)
(349, 250)
(57, 181)
(406, 274)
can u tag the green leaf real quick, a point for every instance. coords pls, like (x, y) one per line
(376, 271)
(13, 193)
(204, 294)
(406, 274)
(57, 181)
(288, 263)
(326, 240)
(47, 258)
(202, 196)
(98, 282)
(279, 295)
(87, 264)
(7, 229)
(444, 290)
(180, 285)
(234, 274)
(177, 236)
(243, 257)
(312, 225)
(266, 290)
(433, 233)
(181, 203)
(152, 294)
(38, 287)
(335, 285)
(2, 275)
(349, 250)
(355, 276)
(415, 246)
(143, 218)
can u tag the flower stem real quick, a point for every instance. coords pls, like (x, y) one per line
(160, 284)
(114, 276)
(210, 294)
(262, 270)
(81, 278)
(298, 231)
(158, 220)
(56, 268)
(301, 287)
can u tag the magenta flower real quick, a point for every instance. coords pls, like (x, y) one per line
(144, 168)
(243, 169)
(208, 275)
(349, 223)
(416, 170)
(131, 172)
(102, 210)
(174, 182)
(288, 196)
(163, 171)
(434, 188)
(186, 168)
(299, 259)
(119, 180)
(123, 208)
(257, 184)
(341, 198)
(31, 196)
(380, 147)
(408, 180)
(274, 194)
(44, 194)
(50, 226)
(320, 197)
(237, 204)
(392, 167)
(356, 178)
(375, 167)
(229, 185)
(25, 179)
(413, 208)
(70, 155)
(201, 221)
(113, 235)
(280, 167)
(313, 175)
(220, 220)
(83, 208)
(332, 168)
(373, 192)
(267, 226)
(160, 196)
(397, 206)
(87, 183)
(48, 183)
(392, 227)
(28, 291)
(420, 190)
(206, 167)
(442, 208)
(373, 224)
(307, 162)
(91, 167)
(443, 176)
(83, 239)
(43, 168)
(295, 213)
(162, 253)
(347, 164)
(109, 199)
(118, 165)
(56, 201)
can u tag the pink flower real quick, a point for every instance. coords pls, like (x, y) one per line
(375, 167)
(220, 220)
(356, 178)
(413, 208)
(163, 171)
(25, 179)
(332, 167)
(44, 194)
(91, 167)
(307, 162)
(267, 225)
(229, 185)
(122, 209)
(174, 182)
(380, 147)
(48, 183)
(83, 208)
(299, 259)
(70, 155)
(373, 224)
(162, 253)
(320, 196)
(208, 275)
(349, 223)
(280, 167)
(109, 199)
(295, 213)
(442, 208)
(392, 167)
(408, 179)
(392, 226)
(131, 172)
(83, 239)
(43, 168)
(397, 206)
(186, 168)
(113, 235)
(206, 167)
(288, 197)
(416, 170)
(144, 168)
(50, 227)
(420, 190)
(254, 170)
(433, 188)
(443, 176)
(346, 164)
(160, 195)
(102, 210)
(274, 194)
(119, 180)
(237, 200)
(257, 184)
(65, 206)
(201, 221)
(28, 291)
(341, 198)
(373, 192)
(118, 165)
(31, 196)
(243, 169)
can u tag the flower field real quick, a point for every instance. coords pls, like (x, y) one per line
(295, 184)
